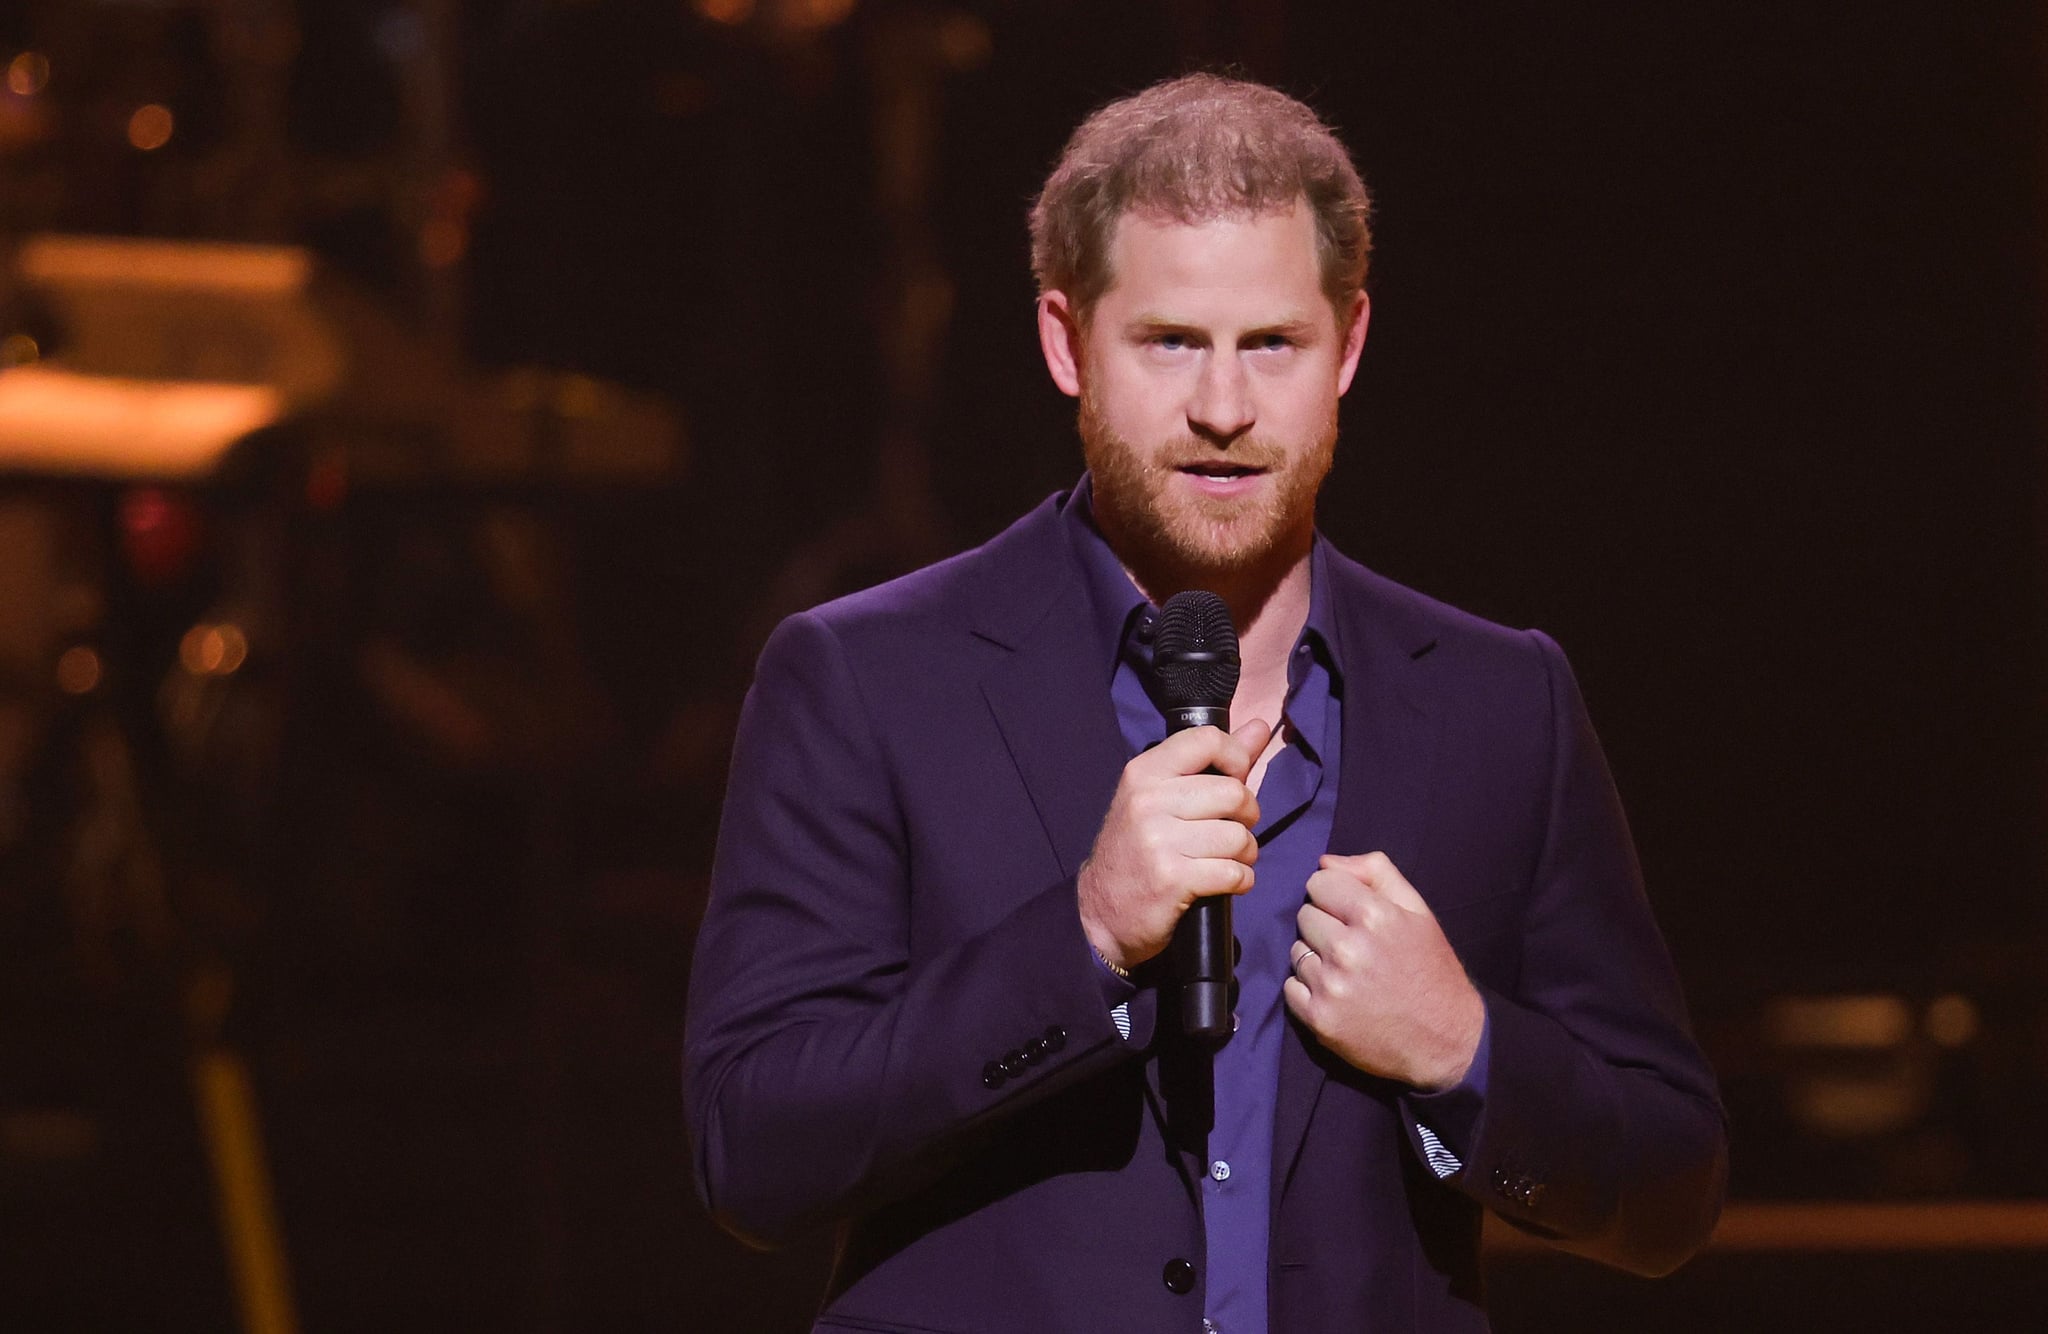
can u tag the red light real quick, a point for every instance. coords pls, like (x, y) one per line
(159, 535)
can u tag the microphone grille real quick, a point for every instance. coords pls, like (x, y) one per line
(1194, 651)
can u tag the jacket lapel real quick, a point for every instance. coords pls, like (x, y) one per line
(1050, 693)
(1388, 754)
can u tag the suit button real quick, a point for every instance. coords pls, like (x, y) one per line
(1055, 1038)
(1179, 1275)
(1014, 1064)
(992, 1075)
(1036, 1050)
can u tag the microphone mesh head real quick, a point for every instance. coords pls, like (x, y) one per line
(1194, 651)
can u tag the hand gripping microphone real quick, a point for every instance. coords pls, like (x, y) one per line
(1194, 654)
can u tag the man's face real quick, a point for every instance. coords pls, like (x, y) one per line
(1209, 375)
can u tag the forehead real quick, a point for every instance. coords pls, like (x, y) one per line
(1232, 262)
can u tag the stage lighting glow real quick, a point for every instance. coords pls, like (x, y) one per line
(150, 127)
(443, 242)
(813, 15)
(1951, 1021)
(28, 74)
(213, 650)
(729, 12)
(78, 670)
(1859, 1022)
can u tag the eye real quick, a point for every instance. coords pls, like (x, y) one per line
(1272, 342)
(1172, 342)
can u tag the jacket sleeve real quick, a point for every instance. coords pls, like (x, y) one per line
(1602, 1129)
(826, 1069)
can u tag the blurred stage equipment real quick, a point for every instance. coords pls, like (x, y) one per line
(227, 472)
(198, 402)
(174, 351)
(1870, 1095)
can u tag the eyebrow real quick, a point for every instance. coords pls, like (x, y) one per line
(1301, 328)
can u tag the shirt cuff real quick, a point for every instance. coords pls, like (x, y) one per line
(1116, 991)
(1446, 1122)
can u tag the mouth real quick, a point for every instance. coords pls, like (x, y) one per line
(1221, 477)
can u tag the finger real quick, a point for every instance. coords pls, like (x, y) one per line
(1209, 797)
(1195, 751)
(1317, 929)
(1377, 871)
(1338, 893)
(1234, 754)
(1207, 877)
(1299, 999)
(1225, 839)
(1251, 737)
(1302, 958)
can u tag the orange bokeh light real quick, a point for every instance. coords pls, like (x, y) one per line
(213, 650)
(78, 670)
(814, 15)
(150, 127)
(728, 12)
(28, 73)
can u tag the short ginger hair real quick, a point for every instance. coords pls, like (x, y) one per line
(1192, 150)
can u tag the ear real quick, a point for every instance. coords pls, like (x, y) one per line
(1059, 338)
(1354, 339)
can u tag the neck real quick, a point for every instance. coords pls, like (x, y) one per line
(1268, 606)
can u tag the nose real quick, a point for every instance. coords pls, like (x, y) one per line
(1221, 409)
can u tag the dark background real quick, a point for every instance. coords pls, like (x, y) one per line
(1706, 338)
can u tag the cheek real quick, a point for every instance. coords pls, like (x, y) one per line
(1136, 403)
(1303, 411)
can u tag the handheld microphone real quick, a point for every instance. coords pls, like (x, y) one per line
(1194, 653)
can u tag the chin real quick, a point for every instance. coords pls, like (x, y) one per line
(1201, 546)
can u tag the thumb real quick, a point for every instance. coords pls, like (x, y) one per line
(1377, 871)
(1254, 736)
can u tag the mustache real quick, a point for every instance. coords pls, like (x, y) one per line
(1190, 450)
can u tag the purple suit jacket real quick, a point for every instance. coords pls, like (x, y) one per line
(921, 769)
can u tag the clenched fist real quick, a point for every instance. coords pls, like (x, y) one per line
(1174, 833)
(1375, 979)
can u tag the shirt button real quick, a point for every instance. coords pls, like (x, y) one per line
(1220, 1170)
(1210, 1327)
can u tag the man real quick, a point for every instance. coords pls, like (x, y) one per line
(929, 1003)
